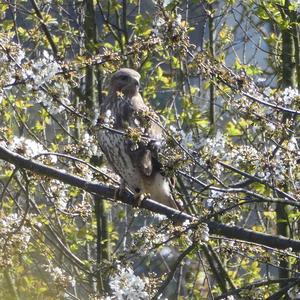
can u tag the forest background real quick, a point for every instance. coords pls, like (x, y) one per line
(225, 77)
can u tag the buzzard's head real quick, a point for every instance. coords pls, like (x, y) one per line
(126, 81)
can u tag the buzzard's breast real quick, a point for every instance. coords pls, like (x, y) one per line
(115, 148)
(159, 189)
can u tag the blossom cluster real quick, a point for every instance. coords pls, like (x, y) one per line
(216, 200)
(89, 144)
(266, 107)
(200, 233)
(270, 164)
(58, 193)
(173, 31)
(14, 238)
(108, 118)
(270, 100)
(41, 70)
(215, 146)
(37, 76)
(126, 285)
(10, 61)
(150, 239)
(59, 276)
(212, 150)
(26, 147)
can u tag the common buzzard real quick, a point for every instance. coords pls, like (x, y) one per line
(131, 138)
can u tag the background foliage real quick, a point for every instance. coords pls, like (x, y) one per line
(225, 76)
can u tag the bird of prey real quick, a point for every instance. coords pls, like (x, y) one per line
(134, 160)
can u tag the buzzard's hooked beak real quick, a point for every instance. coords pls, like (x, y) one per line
(136, 83)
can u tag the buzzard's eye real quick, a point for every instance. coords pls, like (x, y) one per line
(123, 77)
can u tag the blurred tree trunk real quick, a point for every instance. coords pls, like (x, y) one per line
(91, 86)
(288, 79)
(90, 30)
(211, 28)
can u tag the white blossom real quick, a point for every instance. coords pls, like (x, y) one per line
(126, 285)
(216, 199)
(34, 73)
(186, 224)
(59, 194)
(159, 22)
(173, 128)
(292, 144)
(150, 238)
(270, 126)
(166, 2)
(160, 217)
(90, 144)
(229, 298)
(204, 232)
(52, 158)
(166, 252)
(243, 154)
(8, 225)
(177, 20)
(26, 147)
(43, 69)
(20, 56)
(59, 275)
(108, 118)
(283, 98)
(216, 146)
(268, 91)
(288, 95)
(294, 293)
(209, 202)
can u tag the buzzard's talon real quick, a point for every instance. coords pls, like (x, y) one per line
(120, 191)
(119, 194)
(139, 198)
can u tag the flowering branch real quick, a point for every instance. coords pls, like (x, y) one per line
(105, 192)
(278, 107)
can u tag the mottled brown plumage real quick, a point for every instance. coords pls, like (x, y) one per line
(136, 161)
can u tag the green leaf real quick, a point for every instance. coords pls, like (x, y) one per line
(7, 25)
(262, 14)
(232, 129)
(270, 215)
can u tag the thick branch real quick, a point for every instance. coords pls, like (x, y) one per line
(106, 192)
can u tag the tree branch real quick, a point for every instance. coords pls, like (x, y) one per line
(45, 29)
(105, 192)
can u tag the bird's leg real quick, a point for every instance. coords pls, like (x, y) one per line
(120, 191)
(139, 196)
